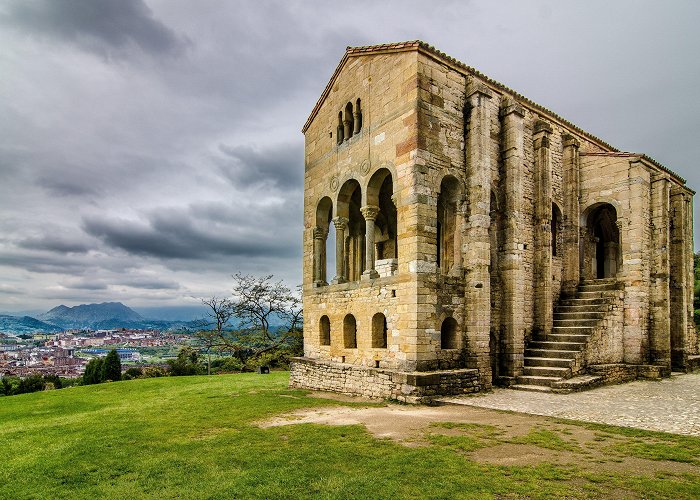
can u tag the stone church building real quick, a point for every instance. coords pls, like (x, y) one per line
(458, 236)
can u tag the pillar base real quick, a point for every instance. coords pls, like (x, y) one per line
(370, 274)
(319, 283)
(338, 280)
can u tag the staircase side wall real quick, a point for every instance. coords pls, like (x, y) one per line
(606, 342)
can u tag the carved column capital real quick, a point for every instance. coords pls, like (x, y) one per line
(570, 141)
(341, 223)
(370, 212)
(510, 107)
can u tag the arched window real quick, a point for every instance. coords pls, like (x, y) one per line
(348, 121)
(448, 334)
(379, 331)
(349, 332)
(349, 204)
(357, 118)
(340, 132)
(448, 251)
(324, 330)
(556, 222)
(324, 213)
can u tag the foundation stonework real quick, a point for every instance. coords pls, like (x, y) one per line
(458, 235)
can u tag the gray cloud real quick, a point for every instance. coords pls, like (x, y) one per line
(109, 28)
(54, 243)
(134, 172)
(185, 234)
(277, 166)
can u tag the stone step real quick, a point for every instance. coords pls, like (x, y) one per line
(537, 380)
(599, 281)
(552, 345)
(547, 371)
(551, 353)
(531, 388)
(589, 295)
(566, 322)
(578, 338)
(588, 314)
(583, 302)
(573, 329)
(597, 287)
(547, 362)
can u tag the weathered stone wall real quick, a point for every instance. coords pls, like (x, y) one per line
(410, 387)
(489, 165)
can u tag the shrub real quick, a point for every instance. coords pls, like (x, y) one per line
(154, 372)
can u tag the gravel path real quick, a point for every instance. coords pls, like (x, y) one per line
(670, 405)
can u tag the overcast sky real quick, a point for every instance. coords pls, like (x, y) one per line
(151, 148)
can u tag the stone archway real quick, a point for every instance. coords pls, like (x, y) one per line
(604, 248)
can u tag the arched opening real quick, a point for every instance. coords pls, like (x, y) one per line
(379, 331)
(357, 117)
(324, 213)
(604, 241)
(340, 130)
(448, 237)
(380, 190)
(349, 332)
(556, 228)
(448, 334)
(348, 121)
(353, 244)
(324, 330)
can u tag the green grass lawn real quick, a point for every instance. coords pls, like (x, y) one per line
(194, 437)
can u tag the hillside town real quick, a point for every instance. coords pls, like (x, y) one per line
(67, 353)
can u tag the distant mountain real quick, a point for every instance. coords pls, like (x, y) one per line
(25, 324)
(107, 315)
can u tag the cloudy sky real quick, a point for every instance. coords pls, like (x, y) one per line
(151, 148)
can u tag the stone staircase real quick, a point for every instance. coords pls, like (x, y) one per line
(554, 358)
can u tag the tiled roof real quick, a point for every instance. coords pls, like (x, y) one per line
(460, 66)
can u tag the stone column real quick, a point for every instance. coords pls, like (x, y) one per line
(319, 261)
(543, 230)
(370, 213)
(511, 261)
(571, 217)
(659, 340)
(341, 224)
(478, 255)
(679, 279)
(457, 259)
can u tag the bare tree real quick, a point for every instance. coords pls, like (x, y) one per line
(221, 312)
(267, 312)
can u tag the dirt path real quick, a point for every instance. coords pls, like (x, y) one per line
(502, 438)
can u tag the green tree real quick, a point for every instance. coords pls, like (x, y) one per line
(112, 367)
(93, 372)
(187, 363)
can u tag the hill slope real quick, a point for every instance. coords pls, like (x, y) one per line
(195, 437)
(25, 324)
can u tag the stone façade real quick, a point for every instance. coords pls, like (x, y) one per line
(480, 239)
